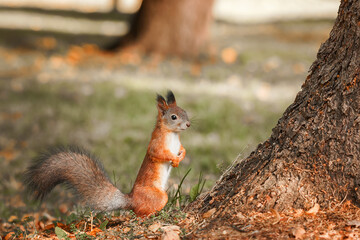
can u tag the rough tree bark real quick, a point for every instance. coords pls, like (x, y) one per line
(313, 154)
(170, 27)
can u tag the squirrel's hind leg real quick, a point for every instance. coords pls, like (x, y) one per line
(148, 200)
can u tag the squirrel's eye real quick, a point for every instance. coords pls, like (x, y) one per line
(173, 117)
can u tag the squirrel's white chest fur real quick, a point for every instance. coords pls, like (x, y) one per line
(173, 144)
(172, 141)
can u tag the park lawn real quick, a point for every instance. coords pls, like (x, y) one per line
(107, 105)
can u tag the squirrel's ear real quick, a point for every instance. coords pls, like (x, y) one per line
(170, 98)
(161, 104)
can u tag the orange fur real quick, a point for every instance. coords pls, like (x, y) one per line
(87, 177)
(147, 196)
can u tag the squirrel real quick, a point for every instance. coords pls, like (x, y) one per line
(85, 174)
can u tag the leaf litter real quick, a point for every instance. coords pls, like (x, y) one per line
(116, 226)
(339, 222)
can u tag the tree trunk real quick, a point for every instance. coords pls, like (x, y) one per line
(313, 154)
(170, 27)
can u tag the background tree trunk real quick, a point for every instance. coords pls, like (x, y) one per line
(170, 27)
(313, 154)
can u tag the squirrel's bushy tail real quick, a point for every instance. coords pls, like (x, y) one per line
(80, 171)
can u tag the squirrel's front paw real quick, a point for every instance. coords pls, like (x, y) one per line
(181, 155)
(175, 163)
(179, 158)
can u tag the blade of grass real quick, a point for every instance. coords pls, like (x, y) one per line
(178, 191)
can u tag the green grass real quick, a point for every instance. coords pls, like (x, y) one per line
(115, 123)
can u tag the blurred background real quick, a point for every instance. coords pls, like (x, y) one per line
(87, 72)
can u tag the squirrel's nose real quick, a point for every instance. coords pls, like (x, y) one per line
(188, 124)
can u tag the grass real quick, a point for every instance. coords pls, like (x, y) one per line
(114, 118)
(115, 123)
(99, 104)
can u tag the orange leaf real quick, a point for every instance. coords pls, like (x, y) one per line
(7, 154)
(90, 48)
(154, 227)
(171, 232)
(40, 226)
(95, 231)
(276, 214)
(298, 212)
(12, 218)
(74, 55)
(10, 235)
(314, 210)
(61, 225)
(25, 217)
(298, 232)
(229, 55)
(50, 226)
(209, 213)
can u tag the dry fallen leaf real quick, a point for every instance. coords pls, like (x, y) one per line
(8, 154)
(240, 215)
(314, 210)
(229, 55)
(170, 235)
(355, 223)
(61, 225)
(298, 232)
(170, 232)
(50, 226)
(298, 212)
(90, 48)
(170, 227)
(10, 235)
(209, 213)
(40, 226)
(95, 231)
(74, 55)
(276, 214)
(154, 227)
(325, 236)
(126, 229)
(12, 218)
(26, 217)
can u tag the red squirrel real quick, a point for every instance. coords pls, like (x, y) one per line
(84, 173)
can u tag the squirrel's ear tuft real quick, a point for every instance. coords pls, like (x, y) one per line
(160, 98)
(170, 98)
(161, 104)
